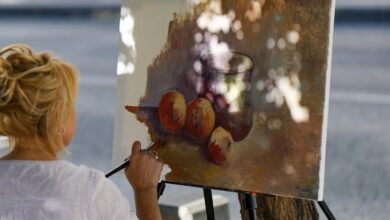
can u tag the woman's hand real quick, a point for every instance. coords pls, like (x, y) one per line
(143, 173)
(144, 170)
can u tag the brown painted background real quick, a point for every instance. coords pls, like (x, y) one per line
(283, 161)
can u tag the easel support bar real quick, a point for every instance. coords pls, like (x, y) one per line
(160, 189)
(250, 205)
(208, 198)
(328, 213)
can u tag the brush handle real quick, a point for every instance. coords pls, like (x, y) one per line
(126, 162)
(122, 166)
(118, 168)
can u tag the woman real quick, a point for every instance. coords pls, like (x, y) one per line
(37, 110)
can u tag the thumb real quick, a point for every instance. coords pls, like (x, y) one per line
(136, 148)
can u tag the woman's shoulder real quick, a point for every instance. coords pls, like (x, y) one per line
(59, 174)
(81, 171)
(91, 178)
(105, 199)
(94, 181)
(60, 177)
(66, 181)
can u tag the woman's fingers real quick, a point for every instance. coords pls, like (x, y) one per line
(145, 168)
(143, 175)
(153, 168)
(136, 148)
(159, 169)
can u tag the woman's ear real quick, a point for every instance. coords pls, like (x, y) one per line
(70, 127)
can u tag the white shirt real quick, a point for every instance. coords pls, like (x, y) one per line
(58, 190)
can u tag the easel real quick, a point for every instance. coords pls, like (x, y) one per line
(250, 204)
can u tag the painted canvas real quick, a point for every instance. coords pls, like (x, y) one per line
(236, 90)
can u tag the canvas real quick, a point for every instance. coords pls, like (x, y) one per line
(235, 91)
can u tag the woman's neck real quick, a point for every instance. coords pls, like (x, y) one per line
(29, 154)
(22, 152)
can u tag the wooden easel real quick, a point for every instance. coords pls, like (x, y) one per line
(249, 204)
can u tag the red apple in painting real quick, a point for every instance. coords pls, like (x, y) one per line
(200, 119)
(220, 146)
(172, 111)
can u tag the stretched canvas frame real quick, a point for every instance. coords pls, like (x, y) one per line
(288, 43)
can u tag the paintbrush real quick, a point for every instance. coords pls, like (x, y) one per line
(126, 162)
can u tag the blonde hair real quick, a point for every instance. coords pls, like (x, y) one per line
(37, 94)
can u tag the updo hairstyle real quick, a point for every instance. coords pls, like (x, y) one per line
(37, 94)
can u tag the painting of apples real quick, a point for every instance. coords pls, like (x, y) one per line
(237, 89)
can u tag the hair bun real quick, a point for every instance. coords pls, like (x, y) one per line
(18, 63)
(7, 85)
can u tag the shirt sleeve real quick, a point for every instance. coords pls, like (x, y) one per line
(106, 200)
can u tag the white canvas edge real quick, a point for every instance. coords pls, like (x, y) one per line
(118, 90)
(118, 125)
(320, 196)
